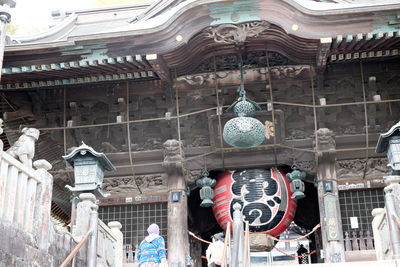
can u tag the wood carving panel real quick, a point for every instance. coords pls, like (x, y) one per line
(355, 168)
(147, 183)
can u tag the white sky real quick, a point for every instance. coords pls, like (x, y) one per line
(36, 14)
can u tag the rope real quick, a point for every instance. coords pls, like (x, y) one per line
(299, 238)
(198, 238)
(272, 237)
(295, 256)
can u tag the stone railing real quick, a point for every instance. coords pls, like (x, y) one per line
(25, 197)
(381, 232)
(358, 241)
(129, 254)
(109, 244)
(28, 233)
(109, 238)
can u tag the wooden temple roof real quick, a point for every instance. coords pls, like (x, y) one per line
(141, 41)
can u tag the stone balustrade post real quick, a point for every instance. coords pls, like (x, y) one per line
(87, 200)
(238, 237)
(42, 220)
(380, 238)
(83, 213)
(392, 201)
(116, 230)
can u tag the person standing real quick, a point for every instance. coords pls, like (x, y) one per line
(301, 252)
(151, 251)
(215, 250)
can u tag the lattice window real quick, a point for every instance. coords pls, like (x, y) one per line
(359, 204)
(136, 218)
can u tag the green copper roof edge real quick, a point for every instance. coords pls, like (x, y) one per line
(72, 64)
(80, 80)
(363, 55)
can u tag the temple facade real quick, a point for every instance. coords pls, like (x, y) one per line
(149, 85)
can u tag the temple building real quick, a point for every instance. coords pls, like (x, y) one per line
(152, 85)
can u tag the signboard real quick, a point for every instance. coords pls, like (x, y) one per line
(354, 222)
(328, 187)
(332, 224)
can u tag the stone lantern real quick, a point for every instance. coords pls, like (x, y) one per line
(89, 167)
(389, 142)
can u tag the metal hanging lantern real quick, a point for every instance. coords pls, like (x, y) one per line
(206, 192)
(296, 178)
(244, 130)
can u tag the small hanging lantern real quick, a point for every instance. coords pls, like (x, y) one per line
(244, 130)
(206, 192)
(296, 178)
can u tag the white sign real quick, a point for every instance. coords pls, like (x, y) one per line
(128, 200)
(354, 222)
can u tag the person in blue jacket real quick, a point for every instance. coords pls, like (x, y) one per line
(151, 251)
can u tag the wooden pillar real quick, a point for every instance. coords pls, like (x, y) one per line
(178, 240)
(328, 198)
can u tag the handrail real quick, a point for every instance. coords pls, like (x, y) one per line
(227, 241)
(246, 245)
(76, 249)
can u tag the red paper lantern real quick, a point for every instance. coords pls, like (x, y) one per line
(264, 195)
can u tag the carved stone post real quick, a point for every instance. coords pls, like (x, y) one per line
(392, 191)
(84, 209)
(178, 241)
(43, 206)
(116, 229)
(331, 227)
(238, 236)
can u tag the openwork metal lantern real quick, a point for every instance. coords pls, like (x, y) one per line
(206, 192)
(244, 130)
(296, 178)
(89, 167)
(389, 142)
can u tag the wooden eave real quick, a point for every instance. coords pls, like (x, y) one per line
(133, 67)
(365, 46)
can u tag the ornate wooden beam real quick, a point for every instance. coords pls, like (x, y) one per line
(160, 68)
(322, 54)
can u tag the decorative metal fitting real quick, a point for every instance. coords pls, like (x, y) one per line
(296, 178)
(206, 192)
